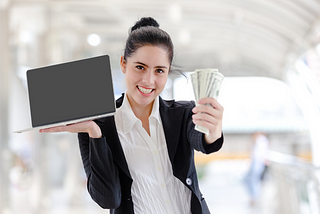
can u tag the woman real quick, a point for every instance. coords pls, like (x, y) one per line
(141, 160)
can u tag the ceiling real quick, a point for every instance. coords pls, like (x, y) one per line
(239, 37)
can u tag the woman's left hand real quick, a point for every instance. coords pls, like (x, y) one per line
(89, 127)
(209, 117)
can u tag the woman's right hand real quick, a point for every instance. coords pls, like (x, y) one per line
(89, 127)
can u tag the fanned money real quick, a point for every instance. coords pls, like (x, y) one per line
(206, 83)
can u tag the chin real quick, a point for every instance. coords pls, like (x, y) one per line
(145, 100)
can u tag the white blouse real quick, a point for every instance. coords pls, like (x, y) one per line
(154, 189)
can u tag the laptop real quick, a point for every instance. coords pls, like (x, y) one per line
(70, 92)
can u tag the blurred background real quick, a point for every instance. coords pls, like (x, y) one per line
(268, 50)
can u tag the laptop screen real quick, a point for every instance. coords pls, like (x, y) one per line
(72, 90)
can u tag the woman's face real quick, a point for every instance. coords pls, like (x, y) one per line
(146, 72)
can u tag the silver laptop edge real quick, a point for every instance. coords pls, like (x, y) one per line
(65, 123)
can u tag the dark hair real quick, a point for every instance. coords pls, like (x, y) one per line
(146, 31)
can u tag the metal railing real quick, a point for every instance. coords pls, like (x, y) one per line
(297, 184)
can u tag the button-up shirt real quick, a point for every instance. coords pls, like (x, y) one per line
(154, 189)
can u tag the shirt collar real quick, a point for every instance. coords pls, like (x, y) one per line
(155, 113)
(128, 117)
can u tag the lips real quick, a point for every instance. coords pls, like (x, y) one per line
(145, 90)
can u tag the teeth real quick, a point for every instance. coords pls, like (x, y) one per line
(144, 90)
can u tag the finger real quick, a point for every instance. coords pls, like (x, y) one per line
(73, 128)
(204, 108)
(54, 129)
(45, 130)
(205, 117)
(208, 110)
(212, 101)
(210, 126)
(214, 128)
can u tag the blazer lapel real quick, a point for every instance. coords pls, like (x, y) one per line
(111, 134)
(171, 121)
(115, 145)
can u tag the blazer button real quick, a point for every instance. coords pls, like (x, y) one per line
(189, 181)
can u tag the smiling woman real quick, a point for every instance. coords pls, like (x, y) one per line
(146, 74)
(141, 160)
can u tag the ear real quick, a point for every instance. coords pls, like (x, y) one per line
(123, 64)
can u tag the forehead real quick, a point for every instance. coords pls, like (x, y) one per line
(150, 54)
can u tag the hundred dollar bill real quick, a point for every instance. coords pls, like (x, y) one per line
(206, 83)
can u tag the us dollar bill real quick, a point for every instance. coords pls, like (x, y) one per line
(206, 83)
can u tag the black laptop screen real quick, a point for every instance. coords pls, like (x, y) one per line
(70, 91)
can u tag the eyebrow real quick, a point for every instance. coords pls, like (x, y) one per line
(148, 66)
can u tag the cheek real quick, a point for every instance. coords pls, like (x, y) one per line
(130, 79)
(162, 82)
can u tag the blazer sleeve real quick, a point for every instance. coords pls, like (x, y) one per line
(196, 138)
(103, 180)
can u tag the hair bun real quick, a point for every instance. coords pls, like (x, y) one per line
(145, 21)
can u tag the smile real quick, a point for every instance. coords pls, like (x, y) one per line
(144, 90)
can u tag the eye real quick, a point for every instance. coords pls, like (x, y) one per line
(140, 67)
(160, 71)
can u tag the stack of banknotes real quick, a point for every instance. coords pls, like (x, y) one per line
(206, 83)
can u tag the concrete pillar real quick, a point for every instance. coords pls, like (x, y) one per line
(5, 154)
(307, 93)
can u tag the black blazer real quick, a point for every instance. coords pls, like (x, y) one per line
(109, 180)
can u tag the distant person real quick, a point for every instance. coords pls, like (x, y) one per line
(141, 160)
(258, 165)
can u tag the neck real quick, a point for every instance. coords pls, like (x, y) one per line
(142, 112)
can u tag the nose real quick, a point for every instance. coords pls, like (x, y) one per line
(148, 77)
